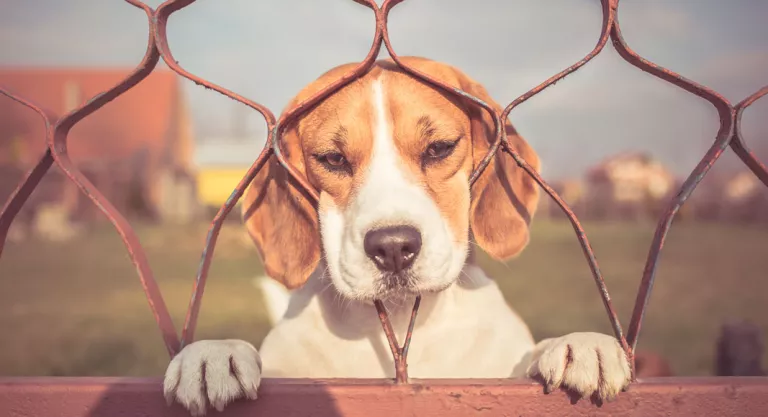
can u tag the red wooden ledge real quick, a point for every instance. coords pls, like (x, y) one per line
(122, 397)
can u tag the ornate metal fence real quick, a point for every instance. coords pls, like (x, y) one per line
(704, 397)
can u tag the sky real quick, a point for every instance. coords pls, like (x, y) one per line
(268, 50)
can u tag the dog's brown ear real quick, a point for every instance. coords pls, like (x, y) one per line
(281, 220)
(505, 197)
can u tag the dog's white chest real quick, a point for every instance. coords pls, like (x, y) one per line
(466, 333)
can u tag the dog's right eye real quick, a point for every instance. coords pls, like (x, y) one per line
(334, 161)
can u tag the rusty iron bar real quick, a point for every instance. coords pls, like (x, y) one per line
(305, 106)
(728, 121)
(737, 142)
(190, 321)
(159, 28)
(30, 181)
(20, 195)
(272, 146)
(57, 148)
(729, 134)
(399, 353)
(609, 10)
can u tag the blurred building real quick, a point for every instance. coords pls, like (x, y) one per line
(746, 198)
(137, 149)
(732, 196)
(627, 186)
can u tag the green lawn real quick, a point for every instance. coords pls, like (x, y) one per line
(78, 309)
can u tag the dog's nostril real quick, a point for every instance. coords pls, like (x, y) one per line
(393, 249)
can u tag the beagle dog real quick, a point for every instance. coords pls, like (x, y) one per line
(391, 157)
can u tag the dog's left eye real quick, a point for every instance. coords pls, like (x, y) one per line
(334, 161)
(439, 150)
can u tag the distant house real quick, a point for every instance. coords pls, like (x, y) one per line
(627, 186)
(746, 197)
(731, 197)
(571, 191)
(220, 164)
(136, 149)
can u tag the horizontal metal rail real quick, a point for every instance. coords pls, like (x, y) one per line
(113, 397)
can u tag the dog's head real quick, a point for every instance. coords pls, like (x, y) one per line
(391, 158)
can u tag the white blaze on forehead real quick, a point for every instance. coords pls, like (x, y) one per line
(385, 166)
(388, 196)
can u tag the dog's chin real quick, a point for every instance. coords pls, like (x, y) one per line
(392, 289)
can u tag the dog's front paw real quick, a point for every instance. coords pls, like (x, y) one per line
(587, 364)
(212, 372)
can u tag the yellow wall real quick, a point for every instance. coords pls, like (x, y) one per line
(215, 185)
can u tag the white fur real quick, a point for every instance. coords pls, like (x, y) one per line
(200, 374)
(593, 355)
(275, 297)
(464, 329)
(346, 337)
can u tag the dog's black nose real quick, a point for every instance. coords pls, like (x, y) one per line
(393, 249)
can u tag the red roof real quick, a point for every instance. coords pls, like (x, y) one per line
(140, 117)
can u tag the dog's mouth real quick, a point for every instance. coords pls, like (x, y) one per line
(395, 286)
(400, 281)
(402, 286)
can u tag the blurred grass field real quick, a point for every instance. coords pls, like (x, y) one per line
(77, 309)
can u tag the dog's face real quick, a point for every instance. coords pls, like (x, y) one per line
(391, 158)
